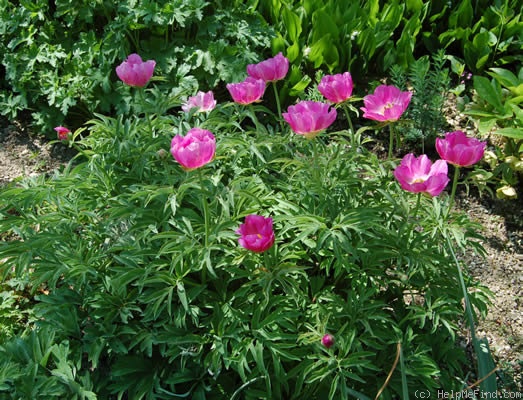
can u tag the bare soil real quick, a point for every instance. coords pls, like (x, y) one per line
(25, 154)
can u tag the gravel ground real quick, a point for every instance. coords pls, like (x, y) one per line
(501, 271)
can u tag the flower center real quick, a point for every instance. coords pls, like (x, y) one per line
(388, 106)
(420, 179)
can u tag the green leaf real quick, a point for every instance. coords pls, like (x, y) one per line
(322, 52)
(505, 77)
(292, 24)
(278, 44)
(323, 24)
(486, 125)
(486, 366)
(299, 87)
(414, 5)
(180, 289)
(293, 52)
(463, 15)
(489, 92)
(478, 51)
(514, 133)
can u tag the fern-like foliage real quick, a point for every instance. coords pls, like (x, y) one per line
(430, 84)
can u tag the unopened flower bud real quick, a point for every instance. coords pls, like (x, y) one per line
(162, 153)
(62, 132)
(328, 340)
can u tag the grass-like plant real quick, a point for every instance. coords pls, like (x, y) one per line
(145, 285)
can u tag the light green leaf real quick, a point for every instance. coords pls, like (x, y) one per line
(292, 24)
(514, 133)
(488, 91)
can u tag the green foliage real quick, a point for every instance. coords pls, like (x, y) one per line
(14, 308)
(487, 33)
(40, 368)
(368, 38)
(497, 109)
(430, 84)
(59, 57)
(362, 37)
(142, 291)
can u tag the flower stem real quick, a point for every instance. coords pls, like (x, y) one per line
(351, 128)
(315, 169)
(398, 138)
(267, 261)
(205, 207)
(391, 140)
(278, 105)
(254, 118)
(141, 92)
(418, 201)
(453, 191)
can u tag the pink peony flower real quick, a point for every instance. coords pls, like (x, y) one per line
(336, 88)
(328, 340)
(248, 91)
(460, 150)
(63, 132)
(418, 174)
(270, 70)
(387, 103)
(202, 101)
(256, 233)
(195, 149)
(135, 72)
(309, 118)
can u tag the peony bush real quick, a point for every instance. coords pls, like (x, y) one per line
(274, 260)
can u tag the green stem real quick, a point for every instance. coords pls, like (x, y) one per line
(267, 260)
(418, 201)
(398, 138)
(205, 207)
(453, 191)
(391, 140)
(141, 91)
(315, 170)
(278, 105)
(501, 26)
(316, 180)
(254, 118)
(351, 128)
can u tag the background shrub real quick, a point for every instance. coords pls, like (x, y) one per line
(58, 57)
